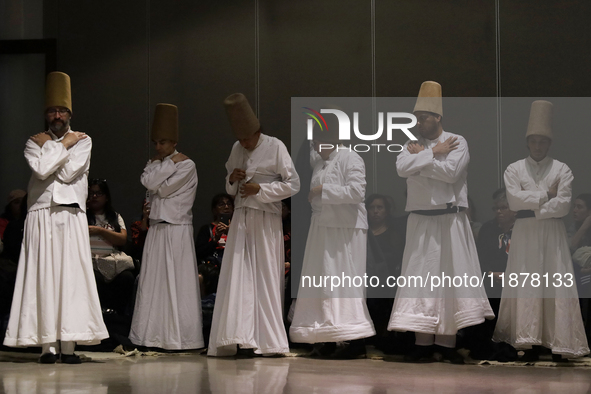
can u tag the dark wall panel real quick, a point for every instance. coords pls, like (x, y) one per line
(105, 54)
(452, 43)
(124, 57)
(201, 52)
(311, 49)
(544, 48)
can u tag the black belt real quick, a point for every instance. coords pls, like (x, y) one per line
(74, 205)
(525, 214)
(437, 212)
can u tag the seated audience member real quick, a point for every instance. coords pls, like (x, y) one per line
(493, 244)
(13, 234)
(471, 212)
(208, 281)
(388, 232)
(385, 239)
(211, 239)
(113, 269)
(12, 211)
(579, 233)
(139, 231)
(286, 219)
(580, 245)
(13, 238)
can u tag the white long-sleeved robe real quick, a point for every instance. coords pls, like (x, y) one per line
(167, 310)
(539, 315)
(336, 246)
(248, 307)
(55, 296)
(438, 244)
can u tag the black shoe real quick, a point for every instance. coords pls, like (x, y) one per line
(70, 359)
(245, 353)
(557, 358)
(420, 354)
(323, 349)
(450, 354)
(530, 355)
(350, 350)
(504, 353)
(48, 358)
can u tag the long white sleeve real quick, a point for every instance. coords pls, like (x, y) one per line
(452, 167)
(314, 156)
(156, 173)
(518, 198)
(78, 161)
(185, 171)
(353, 190)
(287, 186)
(559, 206)
(45, 161)
(231, 164)
(408, 163)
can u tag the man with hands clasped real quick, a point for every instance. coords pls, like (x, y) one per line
(248, 307)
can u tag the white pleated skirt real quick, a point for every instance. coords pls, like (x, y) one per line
(55, 296)
(249, 302)
(437, 245)
(167, 311)
(539, 315)
(329, 313)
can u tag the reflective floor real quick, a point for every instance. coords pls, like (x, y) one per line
(199, 374)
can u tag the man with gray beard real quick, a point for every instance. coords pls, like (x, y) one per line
(55, 301)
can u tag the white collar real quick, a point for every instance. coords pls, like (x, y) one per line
(55, 138)
(540, 163)
(171, 155)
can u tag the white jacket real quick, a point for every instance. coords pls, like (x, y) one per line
(343, 190)
(60, 175)
(435, 181)
(269, 165)
(172, 189)
(526, 193)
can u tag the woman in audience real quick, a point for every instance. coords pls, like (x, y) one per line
(13, 238)
(385, 247)
(12, 211)
(580, 244)
(211, 239)
(139, 231)
(113, 269)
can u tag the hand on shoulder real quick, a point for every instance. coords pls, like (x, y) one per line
(179, 157)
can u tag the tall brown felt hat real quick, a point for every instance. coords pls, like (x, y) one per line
(166, 123)
(58, 92)
(242, 119)
(540, 119)
(429, 98)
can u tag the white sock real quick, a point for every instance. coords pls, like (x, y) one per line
(446, 340)
(422, 339)
(50, 348)
(68, 347)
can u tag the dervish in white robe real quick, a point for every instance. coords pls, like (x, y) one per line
(55, 296)
(248, 307)
(336, 246)
(167, 310)
(438, 244)
(547, 314)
